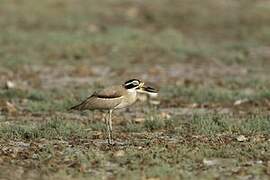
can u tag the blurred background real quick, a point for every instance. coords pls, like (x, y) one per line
(209, 57)
(65, 46)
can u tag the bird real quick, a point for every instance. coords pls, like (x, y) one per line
(114, 97)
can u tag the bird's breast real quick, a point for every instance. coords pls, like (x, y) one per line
(127, 100)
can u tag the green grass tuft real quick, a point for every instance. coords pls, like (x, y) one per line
(51, 129)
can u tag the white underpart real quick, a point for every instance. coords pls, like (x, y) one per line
(130, 91)
(129, 99)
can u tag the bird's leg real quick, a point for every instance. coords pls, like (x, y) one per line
(110, 121)
(108, 130)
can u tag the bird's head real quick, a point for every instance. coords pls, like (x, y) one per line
(139, 86)
(133, 84)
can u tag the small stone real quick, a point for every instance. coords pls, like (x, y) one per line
(10, 85)
(241, 138)
(8, 107)
(119, 153)
(259, 162)
(97, 135)
(210, 162)
(240, 101)
(165, 115)
(139, 120)
(194, 105)
(22, 144)
(34, 156)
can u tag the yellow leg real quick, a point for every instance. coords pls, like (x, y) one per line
(110, 122)
(107, 121)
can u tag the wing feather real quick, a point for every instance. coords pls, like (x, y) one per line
(107, 98)
(111, 92)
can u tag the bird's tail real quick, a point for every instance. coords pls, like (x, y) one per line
(76, 107)
(80, 107)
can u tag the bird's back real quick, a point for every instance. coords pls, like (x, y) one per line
(108, 98)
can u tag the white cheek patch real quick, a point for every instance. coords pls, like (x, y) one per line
(134, 83)
(131, 90)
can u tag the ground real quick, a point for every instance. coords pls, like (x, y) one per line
(209, 59)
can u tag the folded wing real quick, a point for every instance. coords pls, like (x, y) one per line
(107, 98)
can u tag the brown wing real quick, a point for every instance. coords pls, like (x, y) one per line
(110, 92)
(107, 98)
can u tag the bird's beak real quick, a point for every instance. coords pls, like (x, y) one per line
(147, 90)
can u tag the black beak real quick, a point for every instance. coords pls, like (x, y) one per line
(149, 89)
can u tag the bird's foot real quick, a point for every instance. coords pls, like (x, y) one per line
(118, 143)
(110, 142)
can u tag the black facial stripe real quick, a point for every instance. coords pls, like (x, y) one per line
(134, 83)
(132, 80)
(150, 89)
(130, 86)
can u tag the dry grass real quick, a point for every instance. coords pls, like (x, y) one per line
(209, 59)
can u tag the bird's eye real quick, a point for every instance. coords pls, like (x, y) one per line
(135, 83)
